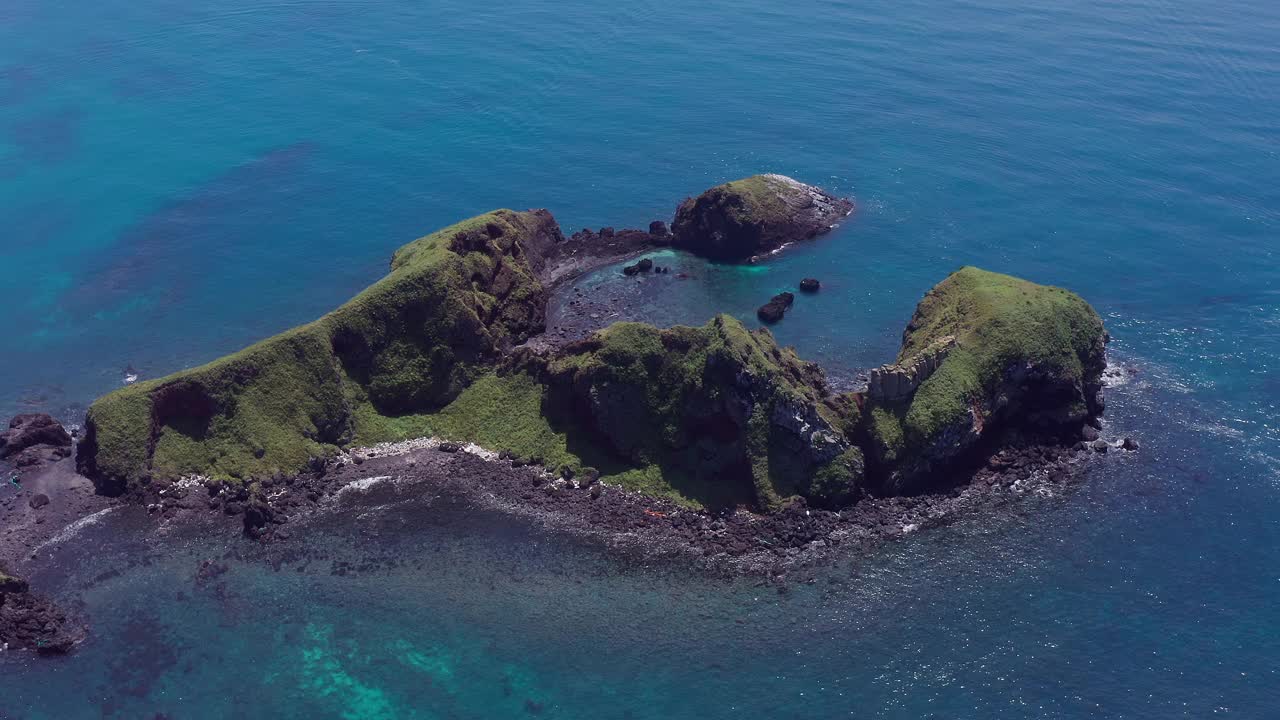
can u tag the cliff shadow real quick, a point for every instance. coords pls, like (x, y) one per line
(728, 488)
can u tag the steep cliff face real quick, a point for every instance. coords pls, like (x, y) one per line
(717, 404)
(984, 354)
(754, 216)
(452, 303)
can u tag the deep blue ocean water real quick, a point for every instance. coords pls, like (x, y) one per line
(180, 179)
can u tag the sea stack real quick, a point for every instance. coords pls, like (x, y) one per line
(739, 220)
(987, 358)
(772, 311)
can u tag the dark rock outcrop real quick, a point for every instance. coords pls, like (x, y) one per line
(772, 311)
(810, 285)
(754, 216)
(33, 429)
(32, 622)
(587, 250)
(645, 265)
(33, 440)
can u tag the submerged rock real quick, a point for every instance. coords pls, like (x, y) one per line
(810, 285)
(754, 216)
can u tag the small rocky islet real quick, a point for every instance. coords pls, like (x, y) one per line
(713, 439)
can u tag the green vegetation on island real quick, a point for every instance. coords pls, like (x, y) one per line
(725, 413)
(709, 416)
(1022, 352)
(453, 302)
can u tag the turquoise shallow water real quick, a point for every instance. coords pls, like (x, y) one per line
(177, 181)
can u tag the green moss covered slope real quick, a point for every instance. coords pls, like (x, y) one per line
(727, 414)
(410, 343)
(1021, 350)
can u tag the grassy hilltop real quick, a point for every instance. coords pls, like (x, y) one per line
(1024, 353)
(411, 342)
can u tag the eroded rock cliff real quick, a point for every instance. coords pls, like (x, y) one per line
(983, 355)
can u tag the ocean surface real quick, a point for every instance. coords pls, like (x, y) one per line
(180, 179)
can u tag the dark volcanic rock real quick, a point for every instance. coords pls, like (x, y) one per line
(32, 622)
(645, 265)
(810, 285)
(658, 229)
(32, 430)
(745, 218)
(257, 514)
(772, 311)
(38, 455)
(10, 584)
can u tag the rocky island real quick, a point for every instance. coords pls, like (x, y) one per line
(713, 439)
(749, 218)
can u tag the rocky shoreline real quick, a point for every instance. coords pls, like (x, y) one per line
(777, 547)
(731, 541)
